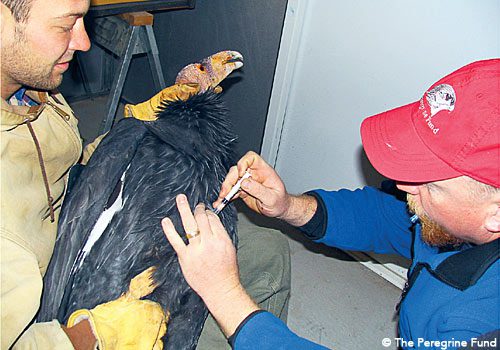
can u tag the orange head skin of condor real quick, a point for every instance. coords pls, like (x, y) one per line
(210, 71)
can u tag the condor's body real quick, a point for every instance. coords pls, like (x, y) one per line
(186, 150)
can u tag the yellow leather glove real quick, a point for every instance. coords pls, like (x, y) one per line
(127, 322)
(147, 110)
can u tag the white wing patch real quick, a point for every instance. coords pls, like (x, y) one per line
(103, 221)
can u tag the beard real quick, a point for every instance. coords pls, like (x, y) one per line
(25, 68)
(432, 233)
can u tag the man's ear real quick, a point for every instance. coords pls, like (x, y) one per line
(6, 19)
(408, 187)
(492, 222)
(3, 11)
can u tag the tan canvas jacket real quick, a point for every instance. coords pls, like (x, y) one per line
(27, 231)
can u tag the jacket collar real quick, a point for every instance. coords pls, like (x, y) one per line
(460, 268)
(12, 115)
(463, 269)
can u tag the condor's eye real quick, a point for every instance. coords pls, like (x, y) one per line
(202, 68)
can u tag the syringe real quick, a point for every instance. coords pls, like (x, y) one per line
(231, 193)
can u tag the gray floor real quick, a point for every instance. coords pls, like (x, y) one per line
(335, 301)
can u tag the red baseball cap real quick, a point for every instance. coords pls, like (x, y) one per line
(453, 130)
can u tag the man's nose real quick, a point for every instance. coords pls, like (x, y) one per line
(79, 40)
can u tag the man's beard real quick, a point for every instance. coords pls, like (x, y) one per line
(432, 233)
(25, 68)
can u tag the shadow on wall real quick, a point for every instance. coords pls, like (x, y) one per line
(371, 177)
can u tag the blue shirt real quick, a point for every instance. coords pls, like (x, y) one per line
(438, 307)
(19, 98)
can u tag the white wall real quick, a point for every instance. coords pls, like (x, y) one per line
(357, 58)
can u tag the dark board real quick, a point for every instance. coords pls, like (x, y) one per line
(106, 8)
(252, 27)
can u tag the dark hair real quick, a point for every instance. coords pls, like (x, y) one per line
(20, 8)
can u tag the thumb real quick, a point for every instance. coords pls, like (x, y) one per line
(173, 237)
(257, 190)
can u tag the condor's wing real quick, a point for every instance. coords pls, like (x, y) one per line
(82, 207)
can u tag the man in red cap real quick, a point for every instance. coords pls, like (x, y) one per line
(444, 152)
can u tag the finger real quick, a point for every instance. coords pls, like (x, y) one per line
(256, 190)
(247, 161)
(229, 182)
(242, 195)
(173, 237)
(188, 221)
(215, 224)
(201, 219)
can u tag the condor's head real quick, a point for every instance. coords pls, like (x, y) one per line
(210, 71)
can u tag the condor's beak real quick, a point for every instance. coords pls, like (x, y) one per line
(236, 58)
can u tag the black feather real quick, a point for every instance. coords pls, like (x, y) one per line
(189, 149)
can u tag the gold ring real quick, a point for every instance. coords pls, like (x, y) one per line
(192, 235)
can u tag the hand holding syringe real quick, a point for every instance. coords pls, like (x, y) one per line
(231, 193)
(264, 192)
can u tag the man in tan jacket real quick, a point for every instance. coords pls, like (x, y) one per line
(40, 142)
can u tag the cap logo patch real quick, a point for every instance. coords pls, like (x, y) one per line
(441, 97)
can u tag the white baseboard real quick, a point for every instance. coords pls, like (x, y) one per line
(392, 272)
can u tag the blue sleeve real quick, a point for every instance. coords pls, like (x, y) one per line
(264, 331)
(367, 219)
